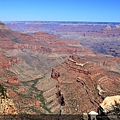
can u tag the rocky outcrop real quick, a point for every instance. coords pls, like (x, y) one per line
(9, 62)
(110, 103)
(13, 80)
(83, 84)
(55, 74)
(109, 109)
(7, 106)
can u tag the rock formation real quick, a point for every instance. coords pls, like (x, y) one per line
(109, 103)
(109, 109)
(13, 80)
(7, 106)
(83, 86)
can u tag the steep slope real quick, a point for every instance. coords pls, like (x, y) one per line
(82, 85)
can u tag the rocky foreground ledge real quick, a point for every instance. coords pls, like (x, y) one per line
(109, 109)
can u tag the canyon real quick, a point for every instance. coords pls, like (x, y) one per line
(100, 37)
(59, 68)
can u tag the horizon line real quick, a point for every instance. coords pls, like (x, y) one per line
(58, 21)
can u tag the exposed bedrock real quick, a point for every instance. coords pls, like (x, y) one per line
(83, 85)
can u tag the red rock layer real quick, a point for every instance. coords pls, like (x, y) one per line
(83, 84)
(13, 80)
(40, 41)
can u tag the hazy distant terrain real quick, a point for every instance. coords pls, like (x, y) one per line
(102, 37)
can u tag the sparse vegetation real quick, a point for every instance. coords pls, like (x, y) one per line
(39, 95)
(44, 107)
(41, 98)
(3, 91)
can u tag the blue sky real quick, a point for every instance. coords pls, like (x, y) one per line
(60, 10)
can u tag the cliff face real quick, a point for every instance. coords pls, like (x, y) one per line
(83, 85)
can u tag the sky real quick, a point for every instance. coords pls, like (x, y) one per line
(60, 10)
